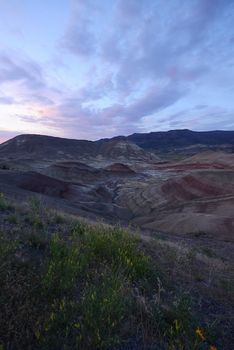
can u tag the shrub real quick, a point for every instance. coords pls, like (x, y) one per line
(89, 289)
(4, 204)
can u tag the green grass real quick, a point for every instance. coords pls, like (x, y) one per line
(37, 216)
(86, 287)
(4, 204)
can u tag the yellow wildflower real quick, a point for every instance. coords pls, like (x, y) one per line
(212, 347)
(200, 333)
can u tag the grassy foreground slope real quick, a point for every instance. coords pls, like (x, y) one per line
(66, 284)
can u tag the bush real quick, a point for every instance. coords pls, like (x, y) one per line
(4, 204)
(92, 288)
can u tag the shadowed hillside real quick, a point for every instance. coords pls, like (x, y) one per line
(48, 147)
(65, 281)
(132, 146)
(184, 138)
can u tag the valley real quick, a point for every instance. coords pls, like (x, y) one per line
(119, 182)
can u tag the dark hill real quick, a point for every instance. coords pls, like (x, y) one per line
(130, 147)
(182, 138)
(56, 148)
(46, 147)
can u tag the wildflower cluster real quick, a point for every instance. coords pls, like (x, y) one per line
(201, 335)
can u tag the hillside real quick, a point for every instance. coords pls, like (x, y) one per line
(45, 147)
(69, 284)
(48, 147)
(209, 157)
(118, 181)
(132, 146)
(178, 139)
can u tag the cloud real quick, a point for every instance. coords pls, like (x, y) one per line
(155, 99)
(24, 71)
(200, 107)
(40, 97)
(111, 50)
(73, 116)
(24, 82)
(95, 89)
(162, 44)
(139, 60)
(5, 100)
(207, 118)
(130, 9)
(43, 120)
(79, 39)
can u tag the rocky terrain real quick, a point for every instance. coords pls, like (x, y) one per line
(118, 181)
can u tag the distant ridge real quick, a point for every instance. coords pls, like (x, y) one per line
(182, 138)
(162, 141)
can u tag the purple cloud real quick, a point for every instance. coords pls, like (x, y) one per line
(198, 107)
(133, 63)
(154, 100)
(111, 49)
(24, 71)
(6, 100)
(79, 39)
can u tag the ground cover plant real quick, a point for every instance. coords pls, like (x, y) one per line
(66, 284)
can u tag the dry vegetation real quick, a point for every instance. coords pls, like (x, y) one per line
(66, 284)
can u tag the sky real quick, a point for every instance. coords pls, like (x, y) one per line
(89, 69)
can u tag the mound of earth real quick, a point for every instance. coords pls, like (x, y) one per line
(203, 160)
(35, 182)
(73, 171)
(124, 149)
(218, 159)
(46, 147)
(120, 168)
(191, 187)
(197, 224)
(181, 204)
